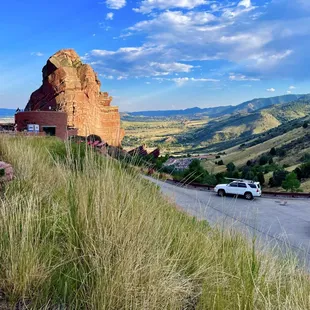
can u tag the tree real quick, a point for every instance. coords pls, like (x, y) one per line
(220, 162)
(249, 163)
(273, 151)
(261, 178)
(195, 172)
(263, 160)
(230, 167)
(277, 178)
(305, 125)
(291, 182)
(270, 162)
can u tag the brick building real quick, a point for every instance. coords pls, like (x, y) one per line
(52, 123)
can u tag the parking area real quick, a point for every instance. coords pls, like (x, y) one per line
(286, 221)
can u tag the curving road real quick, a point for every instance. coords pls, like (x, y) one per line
(276, 220)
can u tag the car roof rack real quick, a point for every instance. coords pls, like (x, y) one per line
(240, 180)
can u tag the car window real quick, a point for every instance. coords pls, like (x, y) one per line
(252, 185)
(241, 185)
(233, 184)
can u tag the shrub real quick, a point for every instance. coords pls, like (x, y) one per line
(230, 167)
(277, 178)
(305, 125)
(291, 182)
(261, 178)
(263, 160)
(273, 152)
(220, 162)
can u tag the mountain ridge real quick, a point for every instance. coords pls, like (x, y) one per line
(247, 106)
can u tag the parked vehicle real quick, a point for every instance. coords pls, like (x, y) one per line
(248, 189)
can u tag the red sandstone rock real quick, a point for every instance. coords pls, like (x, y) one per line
(73, 87)
(8, 172)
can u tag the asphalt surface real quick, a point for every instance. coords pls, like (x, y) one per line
(285, 222)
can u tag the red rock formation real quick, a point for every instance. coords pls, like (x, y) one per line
(73, 87)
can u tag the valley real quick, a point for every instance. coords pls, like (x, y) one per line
(238, 138)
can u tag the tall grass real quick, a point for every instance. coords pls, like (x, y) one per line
(78, 231)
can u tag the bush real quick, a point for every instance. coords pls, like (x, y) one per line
(220, 162)
(305, 157)
(305, 125)
(261, 178)
(230, 167)
(291, 182)
(277, 178)
(195, 172)
(273, 152)
(263, 160)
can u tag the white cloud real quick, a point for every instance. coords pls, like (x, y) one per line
(254, 47)
(39, 54)
(245, 3)
(241, 77)
(292, 87)
(109, 16)
(115, 4)
(148, 5)
(168, 68)
(271, 90)
(288, 91)
(107, 77)
(183, 80)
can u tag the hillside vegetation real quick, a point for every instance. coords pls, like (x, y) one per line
(79, 231)
(236, 127)
(248, 106)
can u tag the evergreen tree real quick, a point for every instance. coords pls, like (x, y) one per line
(291, 182)
(273, 152)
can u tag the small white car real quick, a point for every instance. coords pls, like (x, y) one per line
(248, 189)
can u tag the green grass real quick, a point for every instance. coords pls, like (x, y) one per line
(78, 231)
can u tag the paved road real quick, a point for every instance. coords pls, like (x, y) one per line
(267, 218)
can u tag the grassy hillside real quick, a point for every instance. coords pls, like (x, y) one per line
(225, 132)
(292, 110)
(248, 106)
(80, 231)
(157, 132)
(228, 128)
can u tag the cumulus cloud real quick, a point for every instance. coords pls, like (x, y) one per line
(135, 61)
(109, 16)
(288, 91)
(245, 3)
(256, 41)
(292, 87)
(147, 6)
(271, 90)
(115, 4)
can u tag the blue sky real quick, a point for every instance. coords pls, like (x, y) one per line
(161, 54)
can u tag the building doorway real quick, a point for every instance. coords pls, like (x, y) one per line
(49, 130)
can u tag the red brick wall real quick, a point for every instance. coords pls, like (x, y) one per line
(43, 118)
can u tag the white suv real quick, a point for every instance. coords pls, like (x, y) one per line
(248, 189)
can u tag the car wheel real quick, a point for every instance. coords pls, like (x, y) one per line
(221, 193)
(248, 196)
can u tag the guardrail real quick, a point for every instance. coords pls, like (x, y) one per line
(269, 193)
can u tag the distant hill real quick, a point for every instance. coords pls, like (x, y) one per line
(234, 128)
(248, 106)
(7, 113)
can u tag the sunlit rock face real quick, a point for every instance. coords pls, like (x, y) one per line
(73, 87)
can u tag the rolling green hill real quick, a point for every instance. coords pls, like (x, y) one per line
(248, 106)
(238, 128)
